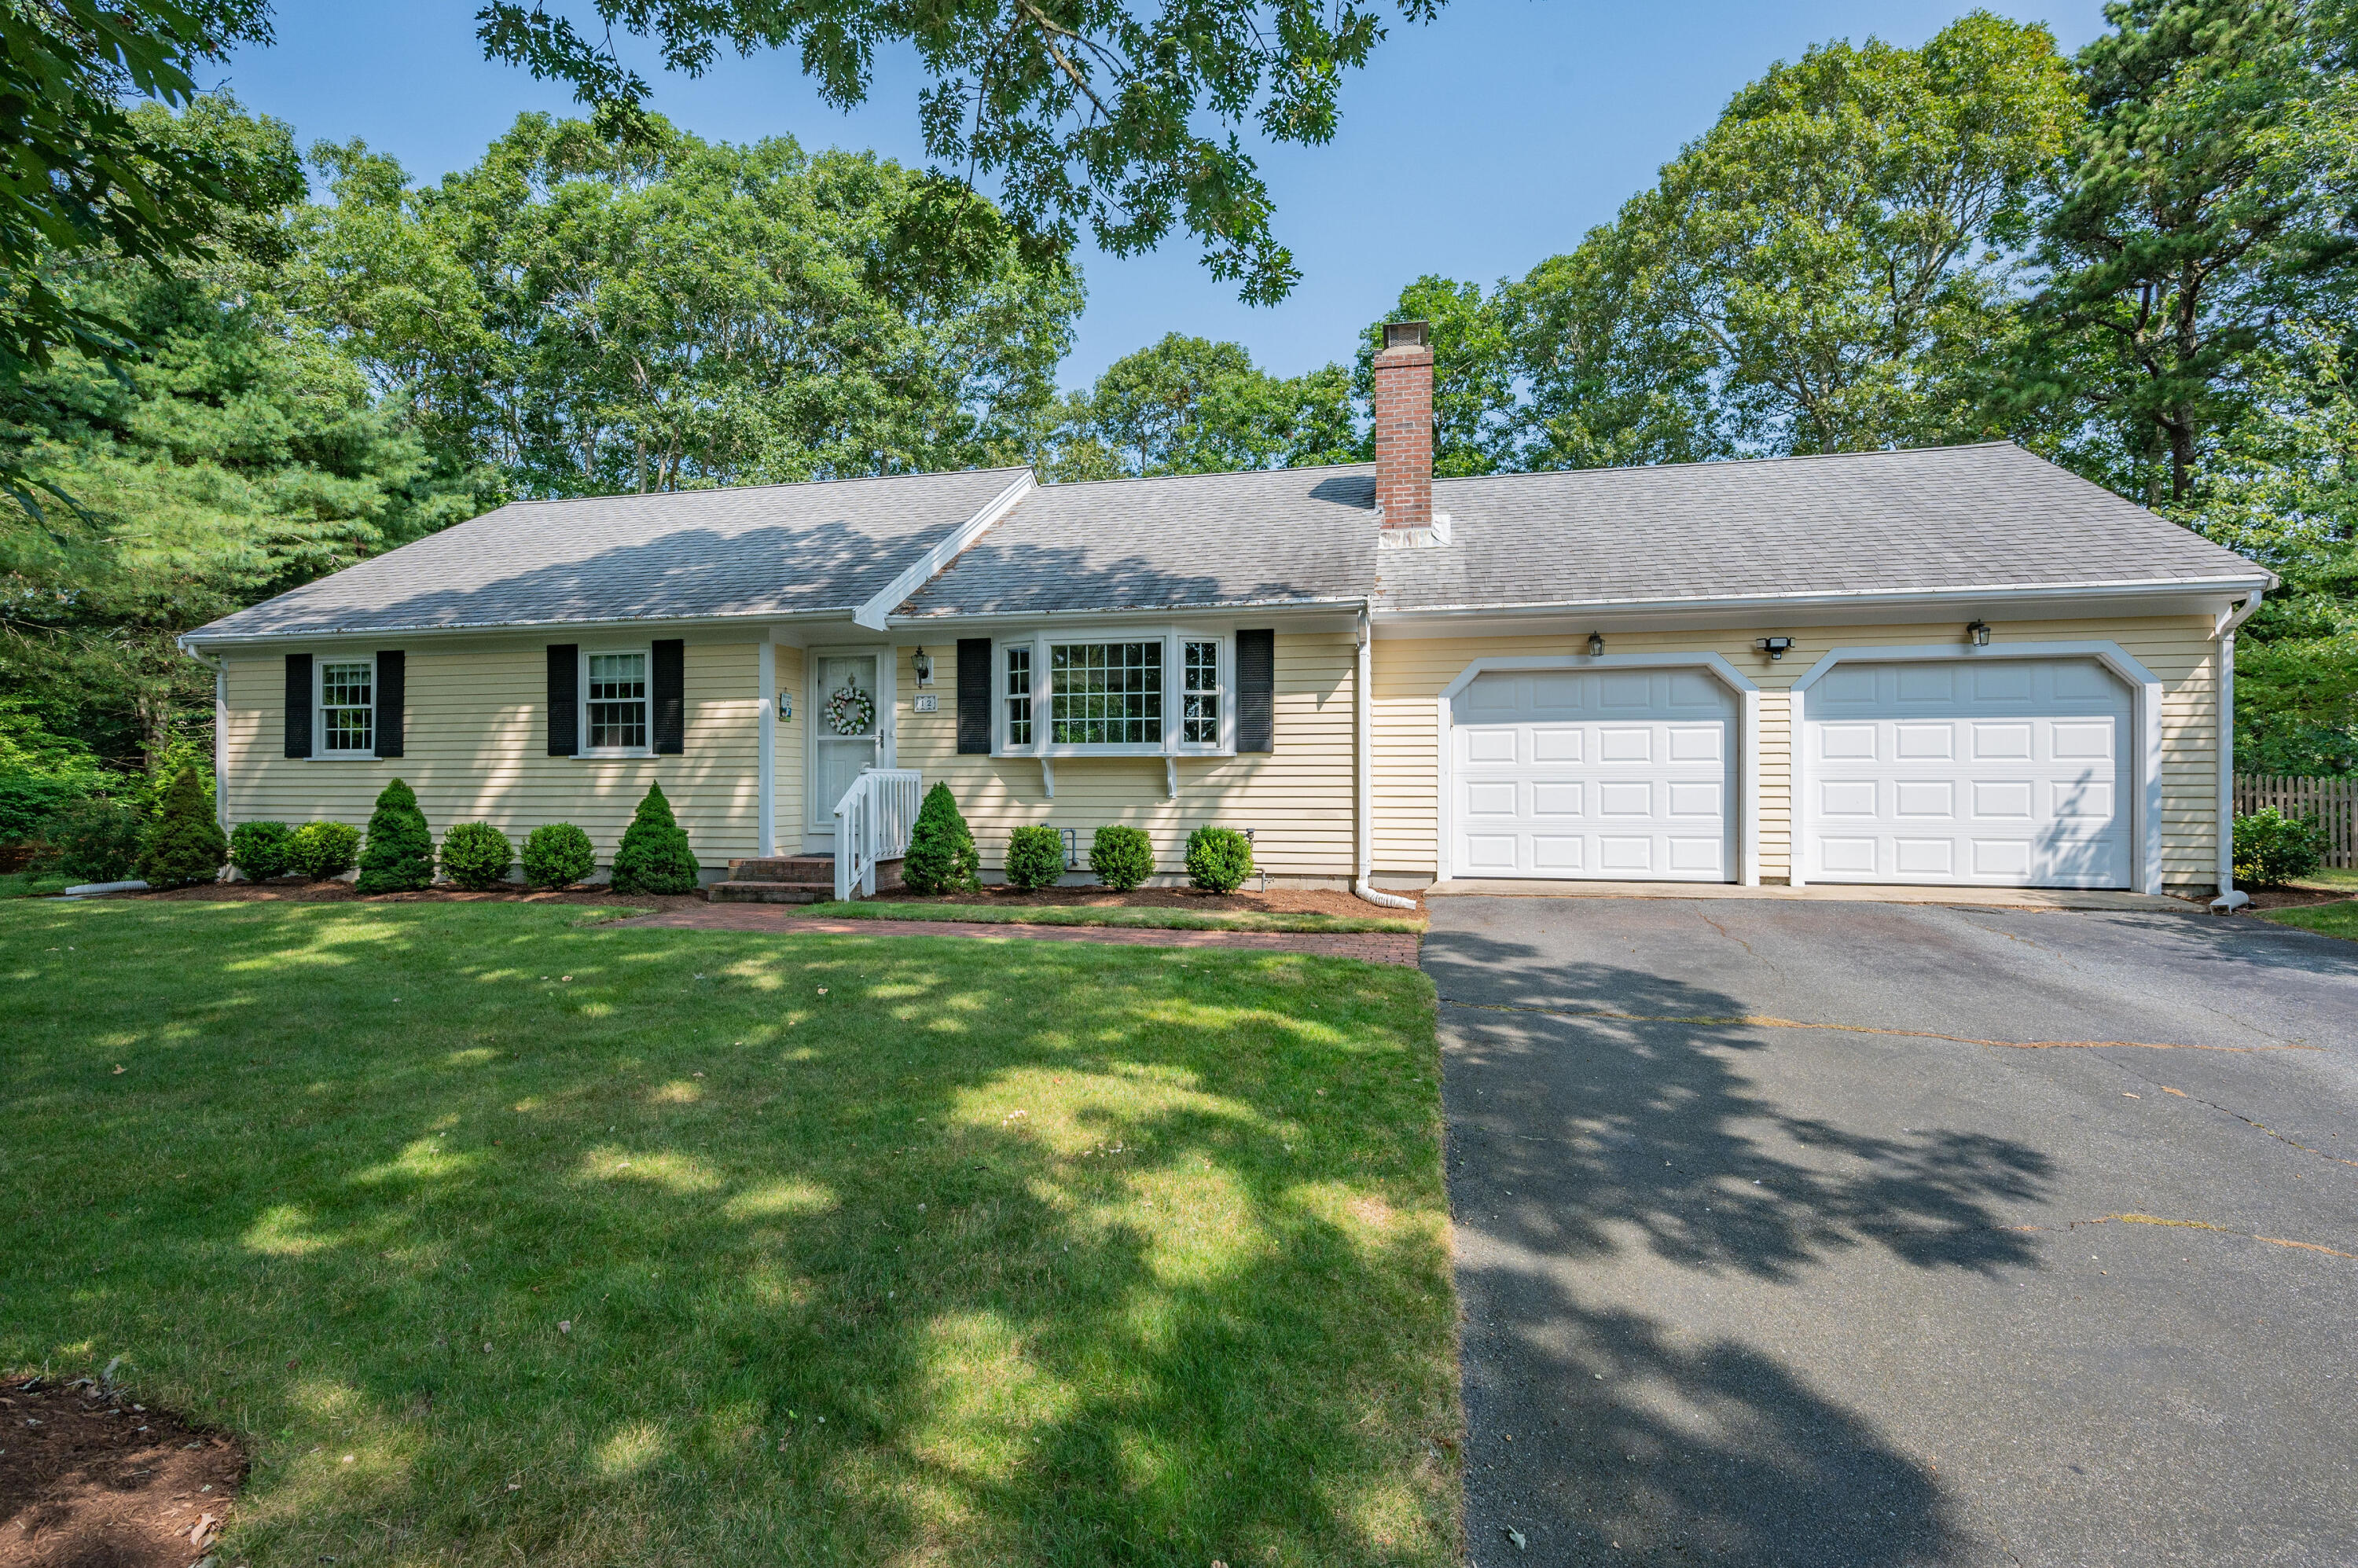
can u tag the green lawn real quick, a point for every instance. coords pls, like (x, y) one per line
(1115, 915)
(26, 884)
(2332, 919)
(873, 1251)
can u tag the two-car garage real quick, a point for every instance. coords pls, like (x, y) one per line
(1988, 771)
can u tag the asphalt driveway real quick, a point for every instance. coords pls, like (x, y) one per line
(1861, 1234)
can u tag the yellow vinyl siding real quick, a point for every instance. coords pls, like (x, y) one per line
(1297, 798)
(476, 743)
(1409, 672)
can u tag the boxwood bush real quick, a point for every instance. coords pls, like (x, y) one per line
(91, 840)
(2273, 849)
(184, 846)
(942, 856)
(399, 854)
(258, 849)
(1219, 858)
(323, 850)
(476, 855)
(557, 855)
(1121, 857)
(1035, 857)
(654, 856)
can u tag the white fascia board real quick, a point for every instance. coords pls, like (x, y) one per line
(1346, 609)
(874, 613)
(2140, 588)
(198, 645)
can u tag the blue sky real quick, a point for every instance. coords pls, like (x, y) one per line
(1473, 147)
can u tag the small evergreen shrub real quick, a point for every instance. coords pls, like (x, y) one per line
(184, 845)
(2272, 849)
(654, 856)
(399, 854)
(323, 850)
(1219, 858)
(557, 855)
(259, 849)
(1121, 857)
(1035, 857)
(90, 840)
(476, 856)
(942, 856)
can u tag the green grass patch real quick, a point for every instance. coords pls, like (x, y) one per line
(1115, 915)
(502, 1237)
(2332, 919)
(28, 884)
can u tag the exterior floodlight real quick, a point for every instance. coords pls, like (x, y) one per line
(1595, 644)
(924, 664)
(1773, 646)
(1979, 633)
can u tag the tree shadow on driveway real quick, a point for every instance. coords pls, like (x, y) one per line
(1615, 1161)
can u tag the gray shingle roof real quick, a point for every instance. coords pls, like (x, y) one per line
(1991, 516)
(773, 549)
(1196, 540)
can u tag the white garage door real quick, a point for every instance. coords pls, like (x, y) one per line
(1620, 774)
(2008, 772)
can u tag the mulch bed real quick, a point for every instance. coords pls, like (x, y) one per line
(1276, 901)
(88, 1479)
(2292, 898)
(296, 890)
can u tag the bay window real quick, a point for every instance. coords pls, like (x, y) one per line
(1162, 694)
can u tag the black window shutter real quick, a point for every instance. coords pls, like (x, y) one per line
(1256, 691)
(564, 699)
(974, 697)
(298, 705)
(390, 691)
(669, 689)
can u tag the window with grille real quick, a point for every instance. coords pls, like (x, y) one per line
(614, 702)
(1105, 694)
(1199, 711)
(1018, 697)
(347, 707)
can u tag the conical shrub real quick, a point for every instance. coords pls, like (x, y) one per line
(399, 854)
(184, 845)
(942, 856)
(654, 856)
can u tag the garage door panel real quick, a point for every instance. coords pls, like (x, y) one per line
(1996, 771)
(1612, 774)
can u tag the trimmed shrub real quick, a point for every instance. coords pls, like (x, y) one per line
(90, 840)
(259, 849)
(942, 856)
(1219, 858)
(323, 850)
(557, 855)
(399, 854)
(476, 855)
(2272, 849)
(654, 856)
(185, 846)
(1035, 857)
(1121, 857)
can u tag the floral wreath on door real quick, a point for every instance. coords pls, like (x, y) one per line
(851, 711)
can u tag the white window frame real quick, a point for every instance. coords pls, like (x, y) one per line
(646, 653)
(320, 751)
(1173, 641)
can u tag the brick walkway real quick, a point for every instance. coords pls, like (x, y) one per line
(1371, 947)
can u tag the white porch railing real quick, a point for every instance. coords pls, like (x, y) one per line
(871, 824)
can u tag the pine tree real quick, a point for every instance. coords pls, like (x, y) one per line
(184, 846)
(654, 856)
(399, 854)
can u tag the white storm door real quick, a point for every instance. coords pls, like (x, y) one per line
(1610, 774)
(2002, 772)
(840, 755)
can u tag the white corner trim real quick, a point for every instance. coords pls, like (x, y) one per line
(767, 834)
(872, 613)
(1747, 765)
(2145, 830)
(2223, 809)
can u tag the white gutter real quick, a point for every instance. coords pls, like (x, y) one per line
(2229, 900)
(877, 608)
(2117, 589)
(1363, 757)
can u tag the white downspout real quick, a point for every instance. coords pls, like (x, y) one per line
(219, 666)
(2229, 899)
(1363, 839)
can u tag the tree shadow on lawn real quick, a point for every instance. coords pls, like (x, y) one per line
(1033, 1252)
(1600, 1163)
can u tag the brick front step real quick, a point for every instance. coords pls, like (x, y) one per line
(735, 891)
(785, 869)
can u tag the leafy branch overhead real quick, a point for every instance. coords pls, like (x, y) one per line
(1088, 113)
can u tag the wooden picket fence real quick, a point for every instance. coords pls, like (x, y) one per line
(2335, 802)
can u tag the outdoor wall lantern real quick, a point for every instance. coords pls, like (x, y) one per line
(924, 664)
(1979, 633)
(1595, 644)
(1773, 646)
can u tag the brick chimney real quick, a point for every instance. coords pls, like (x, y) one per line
(1404, 437)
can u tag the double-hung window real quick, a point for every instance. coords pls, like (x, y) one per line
(1163, 694)
(614, 703)
(347, 708)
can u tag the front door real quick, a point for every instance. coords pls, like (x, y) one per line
(847, 733)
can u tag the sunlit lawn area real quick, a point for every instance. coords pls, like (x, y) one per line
(882, 1249)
